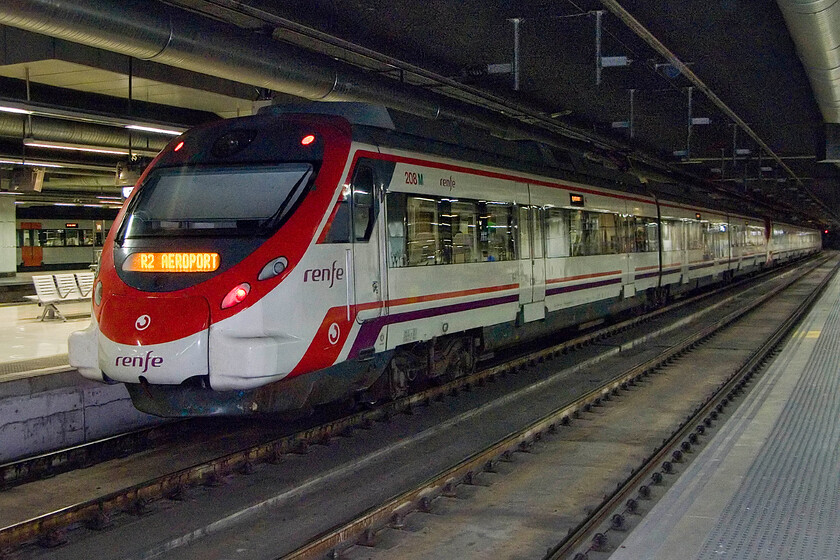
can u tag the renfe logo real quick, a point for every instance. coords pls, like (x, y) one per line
(324, 274)
(139, 361)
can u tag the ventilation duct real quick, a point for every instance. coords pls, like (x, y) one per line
(158, 33)
(54, 130)
(815, 28)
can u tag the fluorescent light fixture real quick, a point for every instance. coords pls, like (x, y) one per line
(32, 163)
(64, 204)
(614, 61)
(87, 149)
(621, 124)
(15, 110)
(743, 151)
(74, 147)
(701, 120)
(765, 168)
(153, 129)
(681, 153)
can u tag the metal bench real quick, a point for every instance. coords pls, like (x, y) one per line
(51, 289)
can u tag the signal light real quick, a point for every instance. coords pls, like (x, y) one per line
(179, 146)
(236, 296)
(308, 139)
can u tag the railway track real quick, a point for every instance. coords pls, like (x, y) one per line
(591, 535)
(55, 528)
(47, 465)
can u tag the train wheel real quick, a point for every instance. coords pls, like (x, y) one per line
(396, 380)
(453, 358)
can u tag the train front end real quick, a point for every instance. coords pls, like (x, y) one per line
(194, 304)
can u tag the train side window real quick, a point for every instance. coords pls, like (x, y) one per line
(423, 245)
(586, 233)
(464, 232)
(496, 231)
(395, 204)
(646, 235)
(364, 203)
(339, 226)
(52, 238)
(695, 235)
(354, 218)
(557, 232)
(672, 235)
(525, 228)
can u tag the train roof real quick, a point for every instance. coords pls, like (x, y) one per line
(378, 125)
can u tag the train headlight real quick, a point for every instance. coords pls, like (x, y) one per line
(236, 295)
(273, 268)
(97, 294)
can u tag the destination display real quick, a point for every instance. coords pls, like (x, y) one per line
(171, 262)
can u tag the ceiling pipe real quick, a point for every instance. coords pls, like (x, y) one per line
(814, 26)
(155, 32)
(158, 33)
(16, 126)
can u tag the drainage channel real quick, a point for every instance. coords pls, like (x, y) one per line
(365, 530)
(51, 529)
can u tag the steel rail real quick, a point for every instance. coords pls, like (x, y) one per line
(721, 397)
(363, 528)
(23, 471)
(97, 512)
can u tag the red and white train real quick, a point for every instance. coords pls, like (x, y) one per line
(285, 260)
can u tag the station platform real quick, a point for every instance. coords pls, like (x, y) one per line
(767, 485)
(44, 403)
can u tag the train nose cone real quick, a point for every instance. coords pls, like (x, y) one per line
(162, 340)
(141, 321)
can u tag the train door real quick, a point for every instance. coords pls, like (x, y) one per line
(32, 255)
(364, 259)
(531, 263)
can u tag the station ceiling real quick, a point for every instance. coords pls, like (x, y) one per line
(711, 98)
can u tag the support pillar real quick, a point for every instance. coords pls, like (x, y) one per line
(8, 244)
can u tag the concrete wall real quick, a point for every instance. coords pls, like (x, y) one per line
(47, 412)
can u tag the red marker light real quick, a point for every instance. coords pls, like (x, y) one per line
(308, 139)
(236, 295)
(179, 146)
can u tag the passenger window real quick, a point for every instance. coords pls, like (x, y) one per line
(426, 231)
(524, 233)
(364, 203)
(464, 232)
(395, 204)
(495, 231)
(557, 233)
(423, 234)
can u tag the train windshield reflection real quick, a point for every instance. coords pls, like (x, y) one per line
(215, 200)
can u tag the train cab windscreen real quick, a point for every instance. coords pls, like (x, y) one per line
(216, 201)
